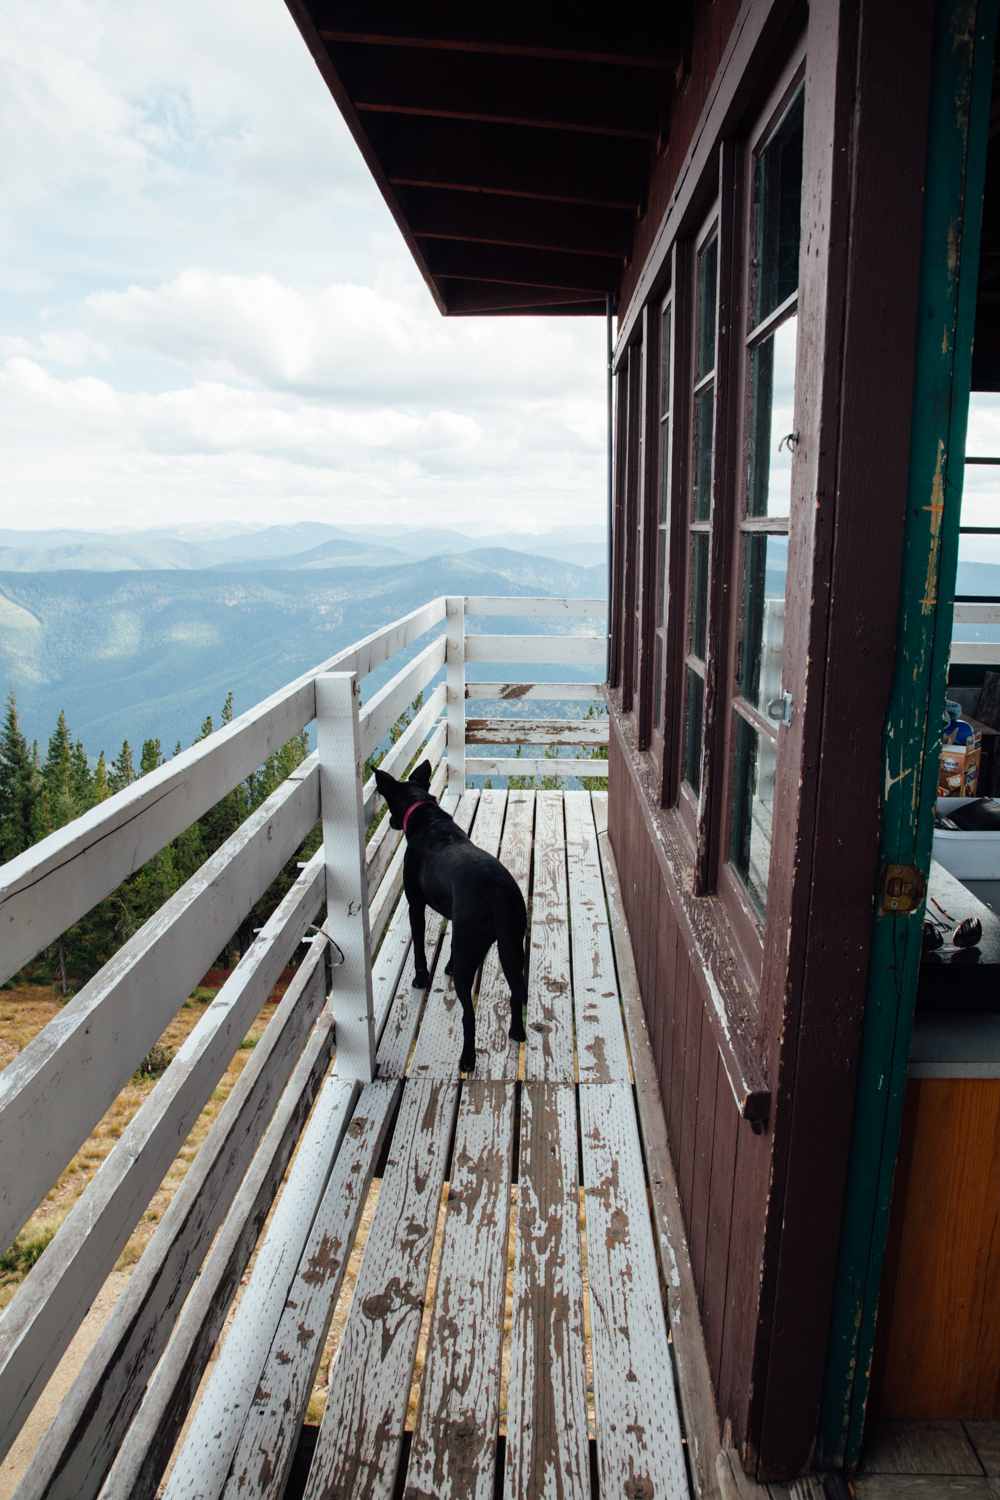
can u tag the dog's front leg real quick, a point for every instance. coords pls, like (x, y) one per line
(421, 978)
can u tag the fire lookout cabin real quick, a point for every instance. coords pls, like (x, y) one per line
(741, 1187)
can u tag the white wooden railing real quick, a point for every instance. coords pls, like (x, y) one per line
(58, 1088)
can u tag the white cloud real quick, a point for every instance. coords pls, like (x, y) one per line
(208, 314)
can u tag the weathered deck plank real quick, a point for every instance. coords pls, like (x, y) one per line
(205, 1455)
(266, 1448)
(550, 1050)
(498, 1055)
(358, 1449)
(602, 1054)
(454, 1447)
(639, 1445)
(547, 1448)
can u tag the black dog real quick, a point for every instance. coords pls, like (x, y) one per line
(445, 870)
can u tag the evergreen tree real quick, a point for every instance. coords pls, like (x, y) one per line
(101, 789)
(122, 772)
(58, 777)
(151, 757)
(18, 787)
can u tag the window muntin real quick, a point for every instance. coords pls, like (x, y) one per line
(762, 541)
(706, 296)
(660, 688)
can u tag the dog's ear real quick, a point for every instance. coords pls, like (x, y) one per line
(384, 782)
(422, 775)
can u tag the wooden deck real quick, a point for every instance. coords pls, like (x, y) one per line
(533, 1169)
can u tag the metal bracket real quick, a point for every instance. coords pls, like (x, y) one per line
(903, 890)
(780, 709)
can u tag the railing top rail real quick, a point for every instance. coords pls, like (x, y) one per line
(530, 607)
(82, 862)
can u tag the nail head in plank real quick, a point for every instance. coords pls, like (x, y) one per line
(600, 1035)
(639, 1444)
(360, 1437)
(266, 1449)
(549, 1052)
(454, 1447)
(547, 1454)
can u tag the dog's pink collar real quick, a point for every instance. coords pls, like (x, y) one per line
(411, 810)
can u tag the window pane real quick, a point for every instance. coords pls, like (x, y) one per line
(665, 361)
(657, 682)
(708, 269)
(778, 203)
(664, 469)
(772, 420)
(762, 612)
(694, 705)
(701, 469)
(979, 574)
(753, 807)
(698, 593)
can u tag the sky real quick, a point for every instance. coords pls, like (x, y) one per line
(207, 314)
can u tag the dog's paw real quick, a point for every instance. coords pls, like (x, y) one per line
(467, 1064)
(421, 981)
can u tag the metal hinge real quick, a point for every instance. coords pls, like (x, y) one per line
(903, 890)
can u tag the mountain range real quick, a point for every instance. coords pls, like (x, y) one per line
(142, 653)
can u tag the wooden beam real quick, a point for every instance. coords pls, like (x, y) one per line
(595, 98)
(476, 298)
(532, 224)
(513, 267)
(522, 34)
(553, 165)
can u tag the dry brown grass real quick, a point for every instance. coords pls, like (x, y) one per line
(24, 1011)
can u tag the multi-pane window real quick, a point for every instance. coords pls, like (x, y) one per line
(760, 703)
(662, 515)
(706, 291)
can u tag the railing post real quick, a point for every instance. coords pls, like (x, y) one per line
(456, 693)
(341, 766)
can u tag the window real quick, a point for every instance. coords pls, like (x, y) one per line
(662, 520)
(758, 704)
(706, 291)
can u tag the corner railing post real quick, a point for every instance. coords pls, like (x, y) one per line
(456, 693)
(341, 763)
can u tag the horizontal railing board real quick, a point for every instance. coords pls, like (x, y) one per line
(150, 1440)
(54, 1092)
(574, 650)
(540, 608)
(399, 755)
(977, 614)
(515, 691)
(513, 765)
(51, 885)
(975, 653)
(94, 1416)
(49, 1306)
(202, 1464)
(379, 715)
(536, 731)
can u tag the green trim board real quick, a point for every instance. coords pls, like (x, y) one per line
(965, 34)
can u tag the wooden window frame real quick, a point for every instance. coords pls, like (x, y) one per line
(748, 921)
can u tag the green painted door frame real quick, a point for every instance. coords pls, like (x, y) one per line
(965, 32)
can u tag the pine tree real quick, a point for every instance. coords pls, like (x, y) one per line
(122, 772)
(58, 777)
(18, 787)
(101, 789)
(81, 779)
(151, 757)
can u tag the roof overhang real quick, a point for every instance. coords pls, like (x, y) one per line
(513, 146)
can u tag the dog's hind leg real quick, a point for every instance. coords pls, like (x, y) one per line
(466, 959)
(421, 978)
(511, 950)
